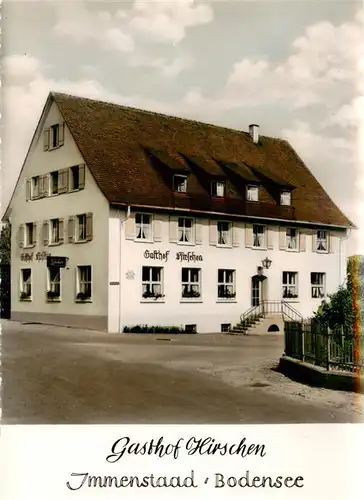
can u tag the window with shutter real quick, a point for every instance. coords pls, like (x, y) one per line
(28, 189)
(46, 233)
(185, 230)
(81, 176)
(89, 228)
(63, 181)
(46, 185)
(46, 139)
(61, 135)
(61, 230)
(71, 229)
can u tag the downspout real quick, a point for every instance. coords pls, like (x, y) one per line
(348, 234)
(120, 258)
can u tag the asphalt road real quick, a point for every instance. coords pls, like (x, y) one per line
(55, 375)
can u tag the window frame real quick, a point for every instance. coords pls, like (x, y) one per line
(297, 238)
(51, 229)
(51, 181)
(80, 284)
(25, 284)
(252, 188)
(264, 237)
(51, 282)
(183, 230)
(225, 284)
(214, 188)
(220, 233)
(189, 295)
(77, 238)
(287, 286)
(176, 184)
(320, 240)
(150, 295)
(281, 198)
(27, 243)
(35, 195)
(318, 285)
(142, 225)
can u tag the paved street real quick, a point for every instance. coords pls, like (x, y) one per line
(56, 375)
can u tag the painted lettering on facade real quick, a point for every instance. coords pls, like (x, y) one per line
(189, 257)
(157, 255)
(29, 256)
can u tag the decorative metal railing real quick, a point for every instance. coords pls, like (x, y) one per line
(268, 307)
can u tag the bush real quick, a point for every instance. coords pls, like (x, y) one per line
(153, 329)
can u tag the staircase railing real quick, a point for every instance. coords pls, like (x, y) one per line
(271, 307)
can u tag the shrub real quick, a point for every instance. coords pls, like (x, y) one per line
(152, 329)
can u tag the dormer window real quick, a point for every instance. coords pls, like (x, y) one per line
(286, 198)
(218, 189)
(252, 193)
(180, 183)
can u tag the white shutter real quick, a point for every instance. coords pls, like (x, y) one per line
(89, 226)
(28, 189)
(63, 181)
(130, 227)
(236, 234)
(282, 238)
(173, 229)
(40, 187)
(270, 237)
(314, 238)
(61, 135)
(71, 229)
(248, 235)
(61, 230)
(45, 187)
(45, 233)
(35, 234)
(302, 239)
(213, 232)
(81, 176)
(198, 233)
(46, 140)
(157, 229)
(330, 242)
(21, 235)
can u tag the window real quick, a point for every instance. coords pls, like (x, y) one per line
(36, 187)
(252, 193)
(84, 283)
(54, 182)
(55, 232)
(54, 135)
(225, 327)
(152, 286)
(81, 227)
(184, 230)
(318, 285)
(191, 287)
(54, 283)
(143, 225)
(321, 241)
(75, 178)
(29, 234)
(223, 233)
(291, 238)
(180, 183)
(285, 197)
(217, 188)
(258, 236)
(290, 285)
(25, 284)
(226, 284)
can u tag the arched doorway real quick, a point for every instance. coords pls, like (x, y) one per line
(258, 289)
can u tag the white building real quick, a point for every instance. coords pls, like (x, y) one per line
(165, 221)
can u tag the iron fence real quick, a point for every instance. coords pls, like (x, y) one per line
(331, 349)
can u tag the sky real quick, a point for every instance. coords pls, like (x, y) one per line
(292, 67)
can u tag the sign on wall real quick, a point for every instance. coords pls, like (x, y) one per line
(189, 256)
(56, 261)
(163, 256)
(29, 256)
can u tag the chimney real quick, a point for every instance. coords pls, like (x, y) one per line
(254, 132)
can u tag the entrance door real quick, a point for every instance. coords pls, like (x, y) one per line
(255, 291)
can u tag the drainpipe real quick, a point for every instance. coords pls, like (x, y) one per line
(120, 258)
(345, 238)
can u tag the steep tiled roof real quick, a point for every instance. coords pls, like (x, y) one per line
(126, 148)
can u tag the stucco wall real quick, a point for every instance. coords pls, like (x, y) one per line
(127, 257)
(94, 253)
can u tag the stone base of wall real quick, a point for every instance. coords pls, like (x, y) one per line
(87, 322)
(319, 377)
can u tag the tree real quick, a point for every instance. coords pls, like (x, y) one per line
(5, 244)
